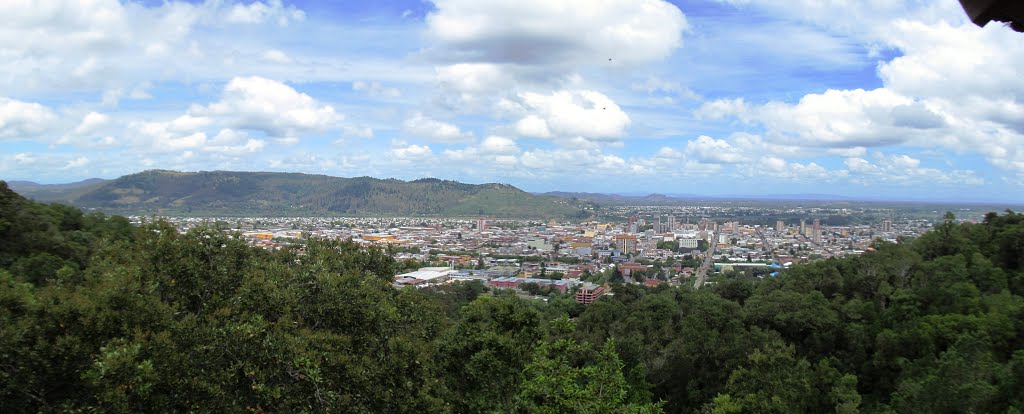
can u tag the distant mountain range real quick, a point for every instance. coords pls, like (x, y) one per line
(55, 192)
(671, 199)
(231, 193)
(616, 199)
(674, 199)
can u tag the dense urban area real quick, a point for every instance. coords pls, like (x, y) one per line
(654, 245)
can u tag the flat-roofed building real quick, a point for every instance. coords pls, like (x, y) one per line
(538, 244)
(626, 243)
(424, 276)
(502, 271)
(588, 293)
(378, 237)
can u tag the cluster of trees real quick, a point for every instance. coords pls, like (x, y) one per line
(668, 245)
(99, 315)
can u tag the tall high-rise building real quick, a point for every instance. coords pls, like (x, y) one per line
(626, 243)
(803, 227)
(887, 225)
(657, 224)
(481, 224)
(671, 223)
(780, 226)
(633, 224)
(816, 236)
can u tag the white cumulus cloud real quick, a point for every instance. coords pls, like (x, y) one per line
(421, 126)
(23, 119)
(498, 145)
(259, 12)
(410, 152)
(262, 104)
(584, 113)
(232, 142)
(489, 51)
(91, 122)
(78, 162)
(276, 56)
(904, 169)
(710, 150)
(556, 32)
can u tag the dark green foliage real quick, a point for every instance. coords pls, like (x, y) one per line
(454, 296)
(487, 350)
(571, 377)
(668, 245)
(200, 321)
(99, 316)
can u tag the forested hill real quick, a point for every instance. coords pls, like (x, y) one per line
(100, 316)
(54, 192)
(231, 193)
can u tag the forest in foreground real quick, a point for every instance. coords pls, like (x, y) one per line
(98, 315)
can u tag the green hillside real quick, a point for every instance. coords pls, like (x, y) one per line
(230, 193)
(60, 193)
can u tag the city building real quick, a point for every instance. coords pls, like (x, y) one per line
(780, 226)
(816, 236)
(538, 244)
(626, 243)
(582, 249)
(424, 276)
(380, 237)
(687, 242)
(588, 293)
(481, 224)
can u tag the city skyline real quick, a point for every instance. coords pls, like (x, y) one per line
(871, 100)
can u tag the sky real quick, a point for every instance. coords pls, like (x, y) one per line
(872, 99)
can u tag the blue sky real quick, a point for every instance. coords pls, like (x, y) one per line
(878, 99)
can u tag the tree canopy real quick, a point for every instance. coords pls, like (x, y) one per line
(97, 315)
